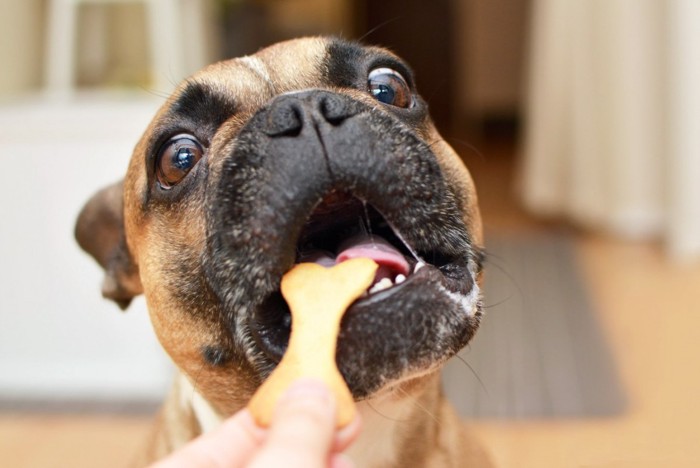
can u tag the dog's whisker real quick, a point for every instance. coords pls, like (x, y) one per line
(419, 405)
(362, 226)
(490, 259)
(155, 92)
(430, 144)
(367, 221)
(386, 416)
(474, 373)
(195, 381)
(498, 303)
(378, 27)
(166, 94)
(473, 149)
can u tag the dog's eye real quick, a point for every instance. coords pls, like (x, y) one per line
(177, 157)
(389, 87)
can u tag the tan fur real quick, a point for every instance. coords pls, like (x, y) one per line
(422, 429)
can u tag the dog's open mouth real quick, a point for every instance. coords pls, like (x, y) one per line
(342, 227)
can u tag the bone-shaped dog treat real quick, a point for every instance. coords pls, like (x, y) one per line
(317, 297)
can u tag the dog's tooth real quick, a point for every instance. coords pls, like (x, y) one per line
(400, 279)
(419, 265)
(381, 285)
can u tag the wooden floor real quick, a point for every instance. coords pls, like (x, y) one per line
(650, 312)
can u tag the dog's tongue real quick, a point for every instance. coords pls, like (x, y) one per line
(391, 262)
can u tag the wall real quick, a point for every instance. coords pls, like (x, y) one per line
(21, 45)
(58, 338)
(491, 45)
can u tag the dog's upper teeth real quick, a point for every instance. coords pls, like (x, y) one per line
(400, 279)
(381, 285)
(419, 265)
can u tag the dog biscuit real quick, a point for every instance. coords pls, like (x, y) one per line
(317, 297)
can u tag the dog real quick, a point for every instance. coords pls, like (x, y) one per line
(309, 150)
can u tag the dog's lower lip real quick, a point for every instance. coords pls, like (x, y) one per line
(272, 337)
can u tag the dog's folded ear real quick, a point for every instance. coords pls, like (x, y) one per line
(100, 232)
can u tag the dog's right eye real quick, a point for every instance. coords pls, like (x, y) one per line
(176, 159)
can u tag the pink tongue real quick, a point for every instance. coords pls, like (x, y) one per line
(391, 262)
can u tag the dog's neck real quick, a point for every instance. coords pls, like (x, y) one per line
(381, 436)
(388, 423)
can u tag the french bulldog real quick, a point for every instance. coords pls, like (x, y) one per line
(315, 149)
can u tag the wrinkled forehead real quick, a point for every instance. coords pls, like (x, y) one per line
(284, 67)
(274, 70)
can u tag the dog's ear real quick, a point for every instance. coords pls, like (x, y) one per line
(100, 232)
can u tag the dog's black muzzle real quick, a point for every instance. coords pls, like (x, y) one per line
(309, 171)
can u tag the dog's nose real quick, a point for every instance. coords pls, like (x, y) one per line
(290, 113)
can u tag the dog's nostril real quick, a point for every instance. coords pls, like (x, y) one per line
(285, 118)
(287, 115)
(333, 109)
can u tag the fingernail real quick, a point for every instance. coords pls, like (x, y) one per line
(341, 460)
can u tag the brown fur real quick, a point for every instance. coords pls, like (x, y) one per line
(157, 251)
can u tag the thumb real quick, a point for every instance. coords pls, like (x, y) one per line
(302, 429)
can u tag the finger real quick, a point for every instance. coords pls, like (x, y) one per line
(230, 445)
(302, 429)
(347, 435)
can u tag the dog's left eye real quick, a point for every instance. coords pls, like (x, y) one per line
(389, 87)
(176, 159)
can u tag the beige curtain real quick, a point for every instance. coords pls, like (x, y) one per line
(613, 118)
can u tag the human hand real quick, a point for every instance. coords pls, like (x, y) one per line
(302, 435)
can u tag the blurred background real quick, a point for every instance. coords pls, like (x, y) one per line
(579, 120)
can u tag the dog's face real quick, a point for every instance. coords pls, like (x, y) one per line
(311, 150)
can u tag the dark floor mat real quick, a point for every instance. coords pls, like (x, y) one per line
(539, 352)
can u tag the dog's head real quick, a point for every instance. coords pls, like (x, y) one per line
(310, 150)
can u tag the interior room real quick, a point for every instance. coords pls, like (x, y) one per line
(578, 121)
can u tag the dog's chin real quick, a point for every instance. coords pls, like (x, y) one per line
(421, 309)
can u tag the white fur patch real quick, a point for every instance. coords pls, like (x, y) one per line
(469, 302)
(208, 418)
(255, 64)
